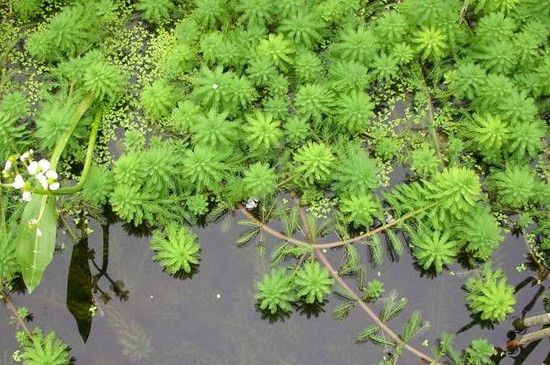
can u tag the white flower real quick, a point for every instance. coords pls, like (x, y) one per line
(54, 186)
(50, 174)
(7, 166)
(26, 196)
(251, 203)
(25, 156)
(43, 180)
(214, 86)
(18, 183)
(38, 232)
(44, 165)
(33, 168)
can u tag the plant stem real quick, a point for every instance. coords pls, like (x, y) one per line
(81, 108)
(354, 295)
(528, 338)
(521, 324)
(9, 306)
(87, 162)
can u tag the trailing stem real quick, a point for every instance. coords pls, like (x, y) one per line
(318, 251)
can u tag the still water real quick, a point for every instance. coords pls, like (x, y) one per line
(212, 319)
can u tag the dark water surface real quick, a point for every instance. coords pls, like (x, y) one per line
(212, 319)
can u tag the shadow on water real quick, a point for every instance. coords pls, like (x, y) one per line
(144, 316)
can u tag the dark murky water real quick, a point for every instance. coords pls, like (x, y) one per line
(171, 321)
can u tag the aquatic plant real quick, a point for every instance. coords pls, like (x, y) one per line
(303, 27)
(360, 209)
(313, 282)
(155, 11)
(480, 352)
(259, 180)
(488, 295)
(480, 233)
(176, 248)
(8, 263)
(158, 99)
(515, 185)
(276, 291)
(262, 131)
(40, 349)
(374, 289)
(314, 161)
(434, 250)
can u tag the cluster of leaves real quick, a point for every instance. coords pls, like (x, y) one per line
(278, 290)
(244, 100)
(39, 349)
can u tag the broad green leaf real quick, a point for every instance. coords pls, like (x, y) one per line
(35, 247)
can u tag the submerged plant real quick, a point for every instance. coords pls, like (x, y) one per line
(176, 248)
(488, 296)
(480, 352)
(315, 160)
(433, 250)
(42, 349)
(313, 282)
(276, 291)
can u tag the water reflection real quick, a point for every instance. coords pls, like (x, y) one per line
(144, 316)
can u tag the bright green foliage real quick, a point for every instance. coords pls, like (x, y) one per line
(480, 233)
(504, 6)
(387, 147)
(239, 94)
(185, 115)
(356, 44)
(259, 180)
(424, 162)
(495, 26)
(488, 296)
(434, 249)
(128, 169)
(431, 43)
(52, 121)
(517, 107)
(345, 76)
(479, 352)
(69, 33)
(103, 80)
(296, 130)
(8, 265)
(256, 11)
(182, 59)
(313, 282)
(277, 49)
(276, 291)
(360, 209)
(374, 290)
(43, 349)
(427, 12)
(515, 185)
(489, 135)
(492, 92)
(304, 28)
(14, 106)
(313, 101)
(133, 204)
(155, 10)
(262, 132)
(307, 66)
(385, 67)
(197, 204)
(261, 70)
(354, 111)
(526, 138)
(158, 99)
(27, 9)
(277, 106)
(497, 56)
(456, 190)
(98, 185)
(209, 87)
(355, 172)
(210, 13)
(391, 28)
(214, 130)
(465, 79)
(176, 248)
(314, 162)
(203, 167)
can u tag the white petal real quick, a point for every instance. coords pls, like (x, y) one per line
(43, 180)
(33, 168)
(18, 183)
(214, 86)
(7, 166)
(38, 232)
(251, 203)
(54, 186)
(44, 165)
(26, 196)
(51, 174)
(25, 156)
